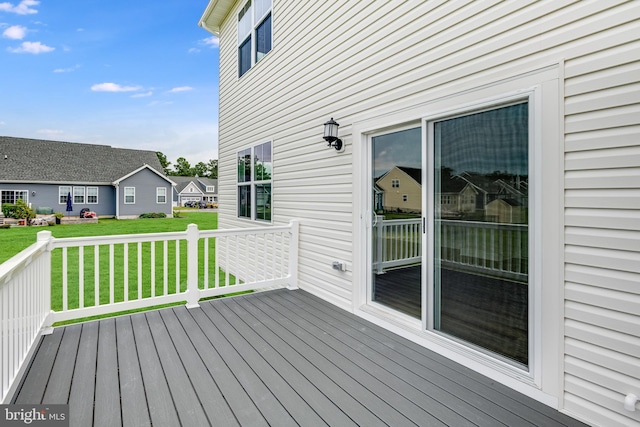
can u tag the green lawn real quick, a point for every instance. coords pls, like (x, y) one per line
(15, 239)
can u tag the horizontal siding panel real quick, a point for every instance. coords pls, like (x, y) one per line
(606, 318)
(609, 158)
(623, 75)
(589, 401)
(603, 99)
(621, 302)
(625, 51)
(604, 278)
(602, 139)
(607, 178)
(621, 240)
(628, 115)
(605, 258)
(615, 341)
(605, 199)
(615, 219)
(599, 356)
(598, 375)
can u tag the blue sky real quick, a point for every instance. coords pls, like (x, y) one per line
(127, 73)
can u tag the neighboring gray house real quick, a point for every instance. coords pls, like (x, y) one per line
(113, 182)
(194, 188)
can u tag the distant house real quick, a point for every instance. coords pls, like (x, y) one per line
(194, 188)
(401, 190)
(113, 182)
(535, 104)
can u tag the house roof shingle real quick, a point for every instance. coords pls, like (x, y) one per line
(35, 160)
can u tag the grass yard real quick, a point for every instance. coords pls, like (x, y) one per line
(15, 239)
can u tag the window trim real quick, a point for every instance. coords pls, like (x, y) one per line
(124, 194)
(96, 196)
(84, 195)
(66, 193)
(26, 194)
(158, 191)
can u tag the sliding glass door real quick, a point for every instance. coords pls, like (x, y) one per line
(453, 196)
(480, 229)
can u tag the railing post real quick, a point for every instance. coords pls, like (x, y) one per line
(46, 237)
(293, 254)
(193, 293)
(379, 230)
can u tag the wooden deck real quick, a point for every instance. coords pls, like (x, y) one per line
(275, 358)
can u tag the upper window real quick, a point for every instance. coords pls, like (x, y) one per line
(78, 195)
(395, 183)
(161, 195)
(129, 195)
(64, 191)
(92, 195)
(254, 33)
(254, 182)
(211, 188)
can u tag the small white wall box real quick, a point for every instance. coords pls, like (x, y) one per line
(339, 265)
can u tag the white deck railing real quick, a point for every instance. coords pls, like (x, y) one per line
(467, 245)
(56, 280)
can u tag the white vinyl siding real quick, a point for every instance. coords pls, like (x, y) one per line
(382, 58)
(602, 196)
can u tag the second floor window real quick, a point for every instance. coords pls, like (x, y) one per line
(254, 33)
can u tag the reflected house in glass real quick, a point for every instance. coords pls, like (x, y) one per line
(401, 190)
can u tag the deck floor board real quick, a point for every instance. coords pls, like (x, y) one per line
(270, 358)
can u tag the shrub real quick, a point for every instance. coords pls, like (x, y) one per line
(19, 210)
(8, 209)
(153, 215)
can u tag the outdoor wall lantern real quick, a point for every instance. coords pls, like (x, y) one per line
(331, 134)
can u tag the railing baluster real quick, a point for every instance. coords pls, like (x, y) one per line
(96, 275)
(65, 281)
(125, 265)
(139, 270)
(112, 279)
(153, 269)
(81, 276)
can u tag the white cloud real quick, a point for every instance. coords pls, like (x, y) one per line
(213, 42)
(193, 50)
(32, 47)
(113, 87)
(142, 95)
(23, 8)
(15, 32)
(181, 89)
(2, 123)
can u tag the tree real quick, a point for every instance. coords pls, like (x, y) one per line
(164, 162)
(212, 167)
(182, 167)
(201, 170)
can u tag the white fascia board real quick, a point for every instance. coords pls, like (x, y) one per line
(215, 14)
